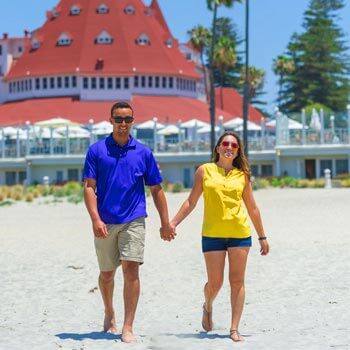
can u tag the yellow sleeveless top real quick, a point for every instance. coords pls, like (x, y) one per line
(224, 214)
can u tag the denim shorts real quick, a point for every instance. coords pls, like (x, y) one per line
(210, 244)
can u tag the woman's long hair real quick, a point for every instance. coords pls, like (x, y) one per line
(241, 161)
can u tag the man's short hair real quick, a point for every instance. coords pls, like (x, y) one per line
(121, 105)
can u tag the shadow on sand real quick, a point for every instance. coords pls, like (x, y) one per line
(91, 335)
(203, 335)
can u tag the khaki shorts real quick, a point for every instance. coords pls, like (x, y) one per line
(124, 242)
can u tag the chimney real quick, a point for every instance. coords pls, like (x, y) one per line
(26, 33)
(5, 35)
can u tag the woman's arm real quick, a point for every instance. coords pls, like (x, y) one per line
(190, 203)
(254, 214)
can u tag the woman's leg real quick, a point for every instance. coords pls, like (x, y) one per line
(215, 264)
(237, 258)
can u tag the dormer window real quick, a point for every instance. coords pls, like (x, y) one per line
(104, 38)
(102, 9)
(129, 10)
(54, 13)
(64, 40)
(35, 44)
(75, 10)
(169, 43)
(148, 11)
(143, 40)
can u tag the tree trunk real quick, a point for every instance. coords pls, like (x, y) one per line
(221, 86)
(205, 78)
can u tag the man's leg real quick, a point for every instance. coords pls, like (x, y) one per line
(131, 297)
(106, 284)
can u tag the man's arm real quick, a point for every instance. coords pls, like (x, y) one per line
(98, 226)
(167, 232)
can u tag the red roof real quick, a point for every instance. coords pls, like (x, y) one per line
(122, 57)
(232, 102)
(168, 109)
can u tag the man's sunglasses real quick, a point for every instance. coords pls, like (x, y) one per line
(120, 120)
(227, 143)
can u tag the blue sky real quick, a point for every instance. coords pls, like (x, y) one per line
(272, 24)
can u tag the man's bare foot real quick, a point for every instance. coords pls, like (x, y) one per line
(109, 323)
(128, 336)
(235, 335)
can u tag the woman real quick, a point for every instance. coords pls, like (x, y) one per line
(225, 231)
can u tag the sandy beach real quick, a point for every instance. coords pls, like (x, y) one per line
(297, 297)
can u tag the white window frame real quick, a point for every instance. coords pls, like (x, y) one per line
(129, 10)
(75, 10)
(104, 38)
(35, 44)
(64, 40)
(143, 40)
(103, 9)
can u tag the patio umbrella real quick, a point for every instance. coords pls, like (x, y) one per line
(169, 130)
(102, 128)
(207, 129)
(149, 124)
(292, 124)
(55, 122)
(233, 123)
(194, 122)
(74, 132)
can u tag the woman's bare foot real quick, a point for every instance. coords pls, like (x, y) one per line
(109, 323)
(128, 336)
(235, 336)
(207, 322)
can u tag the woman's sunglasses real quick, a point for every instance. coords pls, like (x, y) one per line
(227, 143)
(120, 120)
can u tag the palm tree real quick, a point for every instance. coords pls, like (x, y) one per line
(256, 79)
(282, 65)
(224, 57)
(213, 6)
(200, 40)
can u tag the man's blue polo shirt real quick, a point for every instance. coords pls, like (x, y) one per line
(121, 173)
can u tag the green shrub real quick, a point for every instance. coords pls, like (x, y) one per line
(345, 183)
(275, 182)
(29, 197)
(259, 183)
(178, 187)
(2, 196)
(302, 183)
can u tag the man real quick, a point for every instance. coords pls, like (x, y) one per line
(116, 169)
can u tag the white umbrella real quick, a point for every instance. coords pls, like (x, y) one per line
(102, 128)
(250, 126)
(207, 129)
(169, 130)
(292, 124)
(9, 131)
(149, 124)
(233, 123)
(55, 122)
(194, 122)
(73, 132)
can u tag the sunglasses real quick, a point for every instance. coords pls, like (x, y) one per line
(120, 120)
(227, 143)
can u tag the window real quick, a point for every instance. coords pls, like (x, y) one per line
(254, 170)
(164, 82)
(66, 82)
(150, 82)
(171, 82)
(10, 88)
(59, 82)
(117, 83)
(26, 85)
(93, 83)
(0, 50)
(22, 85)
(169, 43)
(104, 38)
(143, 40)
(136, 81)
(20, 49)
(129, 10)
(45, 83)
(341, 166)
(22, 175)
(73, 175)
(37, 84)
(59, 176)
(102, 9)
(102, 83)
(10, 178)
(18, 87)
(148, 11)
(325, 164)
(143, 81)
(85, 83)
(35, 44)
(30, 85)
(126, 83)
(157, 82)
(64, 40)
(74, 81)
(75, 10)
(110, 83)
(266, 170)
(52, 83)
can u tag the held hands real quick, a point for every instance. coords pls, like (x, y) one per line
(167, 232)
(99, 228)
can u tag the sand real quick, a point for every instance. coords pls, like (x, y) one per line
(297, 297)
